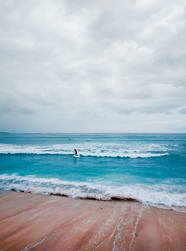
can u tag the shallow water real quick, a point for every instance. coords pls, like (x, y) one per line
(148, 167)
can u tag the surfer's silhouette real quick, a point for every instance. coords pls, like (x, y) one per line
(75, 152)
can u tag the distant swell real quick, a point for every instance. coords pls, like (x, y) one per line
(106, 155)
(132, 156)
(89, 150)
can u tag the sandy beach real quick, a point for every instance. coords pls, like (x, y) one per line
(48, 222)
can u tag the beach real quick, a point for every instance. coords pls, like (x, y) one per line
(50, 222)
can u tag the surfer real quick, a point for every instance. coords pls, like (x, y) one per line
(75, 152)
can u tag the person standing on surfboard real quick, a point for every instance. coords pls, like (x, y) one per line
(75, 152)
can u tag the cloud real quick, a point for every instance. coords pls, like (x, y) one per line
(88, 62)
(183, 110)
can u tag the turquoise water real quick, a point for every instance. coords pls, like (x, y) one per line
(148, 167)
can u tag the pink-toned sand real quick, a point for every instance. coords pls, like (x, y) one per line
(40, 222)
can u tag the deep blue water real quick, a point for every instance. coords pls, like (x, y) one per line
(148, 167)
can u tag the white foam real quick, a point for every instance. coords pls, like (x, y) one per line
(90, 149)
(157, 195)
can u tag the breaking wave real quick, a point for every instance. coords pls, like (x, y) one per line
(156, 195)
(89, 150)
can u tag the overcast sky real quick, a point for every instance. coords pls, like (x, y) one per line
(93, 66)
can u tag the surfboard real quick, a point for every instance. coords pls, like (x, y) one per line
(76, 156)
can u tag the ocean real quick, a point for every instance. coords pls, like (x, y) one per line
(150, 168)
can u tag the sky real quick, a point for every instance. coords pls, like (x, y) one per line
(80, 66)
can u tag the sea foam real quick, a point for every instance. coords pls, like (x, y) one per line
(89, 150)
(156, 195)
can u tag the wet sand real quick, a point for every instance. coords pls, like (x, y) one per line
(40, 222)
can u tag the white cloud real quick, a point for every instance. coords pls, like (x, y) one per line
(92, 65)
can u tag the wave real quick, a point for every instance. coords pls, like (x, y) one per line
(155, 195)
(88, 150)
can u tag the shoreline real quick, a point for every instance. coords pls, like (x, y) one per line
(159, 195)
(181, 209)
(41, 222)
